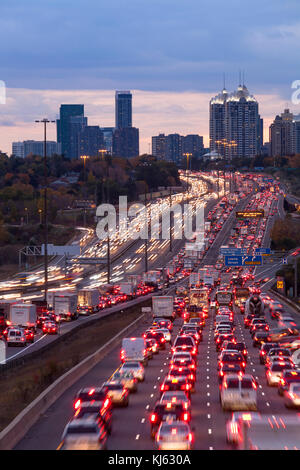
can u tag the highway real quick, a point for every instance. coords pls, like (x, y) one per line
(131, 428)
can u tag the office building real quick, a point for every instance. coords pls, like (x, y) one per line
(33, 147)
(173, 148)
(69, 124)
(126, 142)
(123, 109)
(159, 146)
(91, 140)
(283, 135)
(297, 131)
(108, 133)
(192, 144)
(18, 149)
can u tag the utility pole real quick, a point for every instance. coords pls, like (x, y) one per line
(45, 121)
(170, 203)
(146, 239)
(296, 278)
(84, 158)
(108, 238)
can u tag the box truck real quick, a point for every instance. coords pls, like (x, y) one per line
(23, 315)
(88, 301)
(163, 307)
(65, 306)
(128, 289)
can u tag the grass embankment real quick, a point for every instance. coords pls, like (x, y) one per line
(20, 386)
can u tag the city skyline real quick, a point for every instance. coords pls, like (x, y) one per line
(153, 112)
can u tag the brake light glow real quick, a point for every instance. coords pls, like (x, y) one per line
(77, 404)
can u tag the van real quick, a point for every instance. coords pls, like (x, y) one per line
(16, 336)
(134, 349)
(239, 393)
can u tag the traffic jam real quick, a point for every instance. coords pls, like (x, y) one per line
(226, 351)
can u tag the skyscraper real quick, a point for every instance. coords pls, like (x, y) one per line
(283, 135)
(234, 124)
(159, 146)
(297, 130)
(91, 140)
(126, 142)
(174, 148)
(71, 120)
(123, 109)
(193, 144)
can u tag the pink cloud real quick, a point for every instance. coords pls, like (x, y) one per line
(153, 112)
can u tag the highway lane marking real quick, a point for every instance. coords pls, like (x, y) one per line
(137, 437)
(143, 420)
(27, 347)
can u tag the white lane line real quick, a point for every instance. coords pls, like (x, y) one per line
(27, 347)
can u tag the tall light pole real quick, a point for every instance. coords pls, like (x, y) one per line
(84, 158)
(187, 155)
(45, 121)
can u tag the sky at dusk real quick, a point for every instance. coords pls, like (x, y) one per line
(172, 54)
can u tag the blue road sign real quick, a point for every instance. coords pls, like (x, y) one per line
(233, 251)
(233, 261)
(262, 251)
(243, 260)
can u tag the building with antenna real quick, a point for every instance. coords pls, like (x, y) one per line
(235, 124)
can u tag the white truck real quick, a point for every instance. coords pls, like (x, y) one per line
(23, 315)
(152, 278)
(88, 301)
(194, 279)
(163, 307)
(128, 289)
(65, 306)
(134, 349)
(270, 432)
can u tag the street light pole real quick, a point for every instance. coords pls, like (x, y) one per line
(45, 121)
(84, 158)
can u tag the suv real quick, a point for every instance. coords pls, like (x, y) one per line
(163, 411)
(238, 393)
(84, 434)
(16, 336)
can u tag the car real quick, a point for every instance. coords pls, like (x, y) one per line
(162, 411)
(176, 397)
(264, 349)
(238, 393)
(84, 434)
(135, 367)
(126, 378)
(117, 393)
(166, 333)
(100, 410)
(234, 424)
(50, 328)
(90, 394)
(174, 435)
(238, 346)
(183, 362)
(223, 337)
(288, 376)
(233, 357)
(158, 336)
(185, 343)
(292, 395)
(183, 371)
(152, 347)
(229, 369)
(176, 384)
(260, 337)
(275, 371)
(16, 336)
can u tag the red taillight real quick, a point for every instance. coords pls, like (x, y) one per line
(77, 404)
(162, 387)
(153, 418)
(162, 340)
(185, 416)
